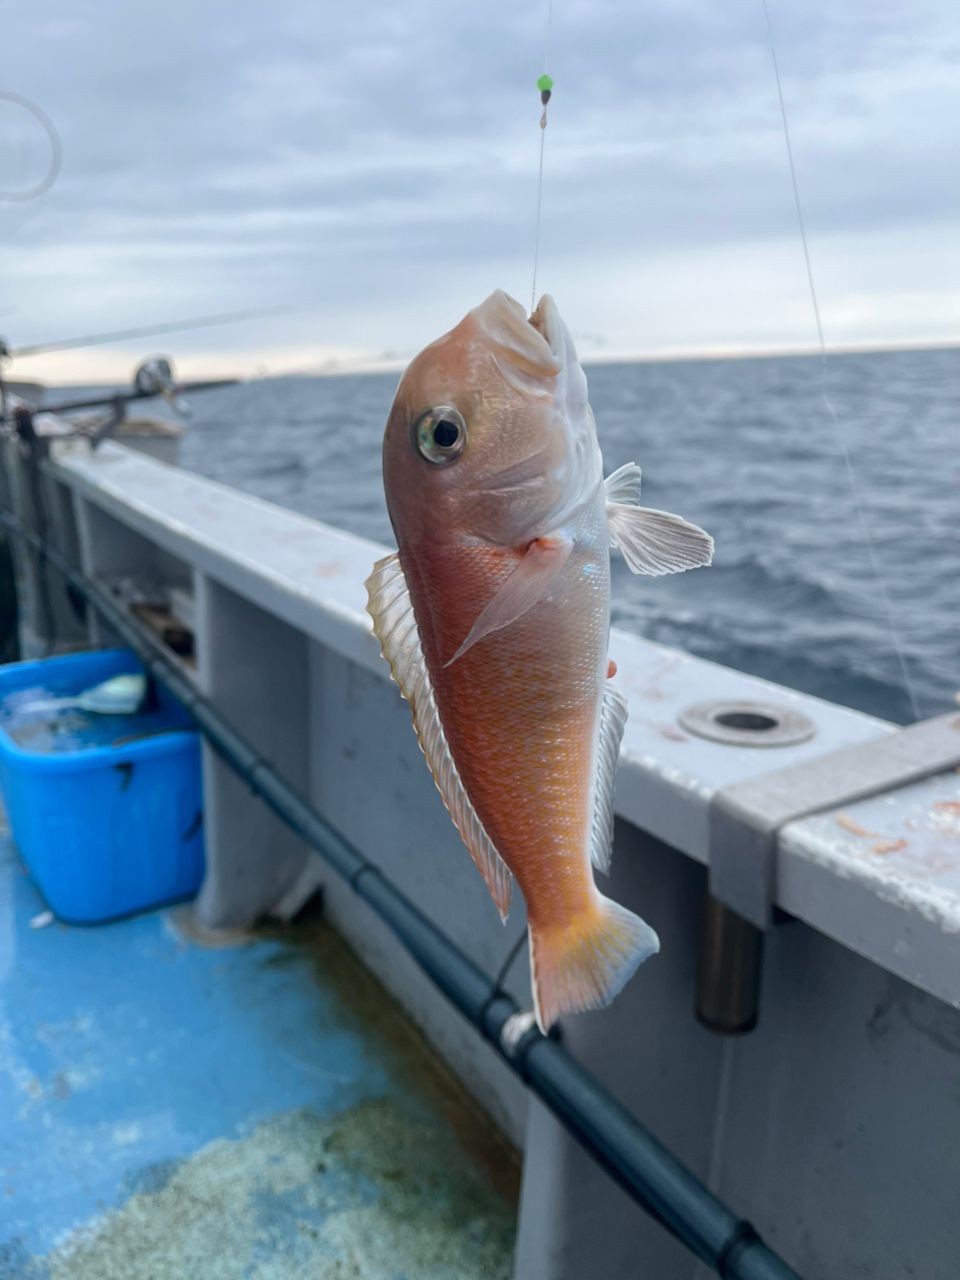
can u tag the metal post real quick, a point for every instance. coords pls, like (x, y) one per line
(731, 964)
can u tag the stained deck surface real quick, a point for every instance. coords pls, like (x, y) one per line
(260, 1110)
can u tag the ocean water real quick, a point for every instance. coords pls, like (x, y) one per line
(745, 448)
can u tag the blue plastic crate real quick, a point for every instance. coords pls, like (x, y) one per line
(104, 830)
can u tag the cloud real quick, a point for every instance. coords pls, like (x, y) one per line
(375, 165)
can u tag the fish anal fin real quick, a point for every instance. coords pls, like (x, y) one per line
(526, 585)
(656, 542)
(613, 717)
(395, 626)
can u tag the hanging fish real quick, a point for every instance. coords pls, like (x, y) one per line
(494, 615)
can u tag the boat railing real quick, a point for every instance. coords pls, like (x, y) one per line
(852, 899)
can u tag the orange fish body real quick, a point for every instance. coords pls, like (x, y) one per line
(494, 616)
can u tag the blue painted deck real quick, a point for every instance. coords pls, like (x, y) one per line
(259, 1110)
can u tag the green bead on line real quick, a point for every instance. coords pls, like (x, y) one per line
(545, 83)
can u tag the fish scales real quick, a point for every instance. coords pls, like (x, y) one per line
(521, 707)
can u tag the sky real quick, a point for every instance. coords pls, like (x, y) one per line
(373, 167)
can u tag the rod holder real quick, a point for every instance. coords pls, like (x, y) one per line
(729, 972)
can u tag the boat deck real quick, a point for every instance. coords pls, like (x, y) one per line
(258, 1109)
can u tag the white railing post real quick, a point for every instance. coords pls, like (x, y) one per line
(255, 669)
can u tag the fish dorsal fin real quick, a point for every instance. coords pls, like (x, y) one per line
(395, 626)
(613, 717)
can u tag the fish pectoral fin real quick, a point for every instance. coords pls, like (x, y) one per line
(541, 562)
(613, 718)
(623, 485)
(395, 626)
(656, 542)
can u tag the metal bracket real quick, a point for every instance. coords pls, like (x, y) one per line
(745, 818)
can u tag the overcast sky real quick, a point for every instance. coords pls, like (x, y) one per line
(375, 166)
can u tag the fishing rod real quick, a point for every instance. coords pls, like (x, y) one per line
(128, 397)
(153, 379)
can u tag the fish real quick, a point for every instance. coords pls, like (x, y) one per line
(119, 696)
(494, 616)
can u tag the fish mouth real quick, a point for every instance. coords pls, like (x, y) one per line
(548, 323)
(545, 318)
(519, 345)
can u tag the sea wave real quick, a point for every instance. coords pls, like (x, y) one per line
(743, 447)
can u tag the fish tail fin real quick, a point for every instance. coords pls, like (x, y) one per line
(585, 963)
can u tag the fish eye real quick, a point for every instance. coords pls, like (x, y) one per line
(440, 434)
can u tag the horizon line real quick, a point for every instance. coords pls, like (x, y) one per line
(333, 367)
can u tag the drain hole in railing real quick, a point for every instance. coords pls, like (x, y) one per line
(752, 720)
(743, 723)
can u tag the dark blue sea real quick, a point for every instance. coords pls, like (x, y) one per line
(745, 448)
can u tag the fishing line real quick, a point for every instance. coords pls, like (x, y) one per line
(545, 85)
(497, 989)
(865, 532)
(509, 959)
